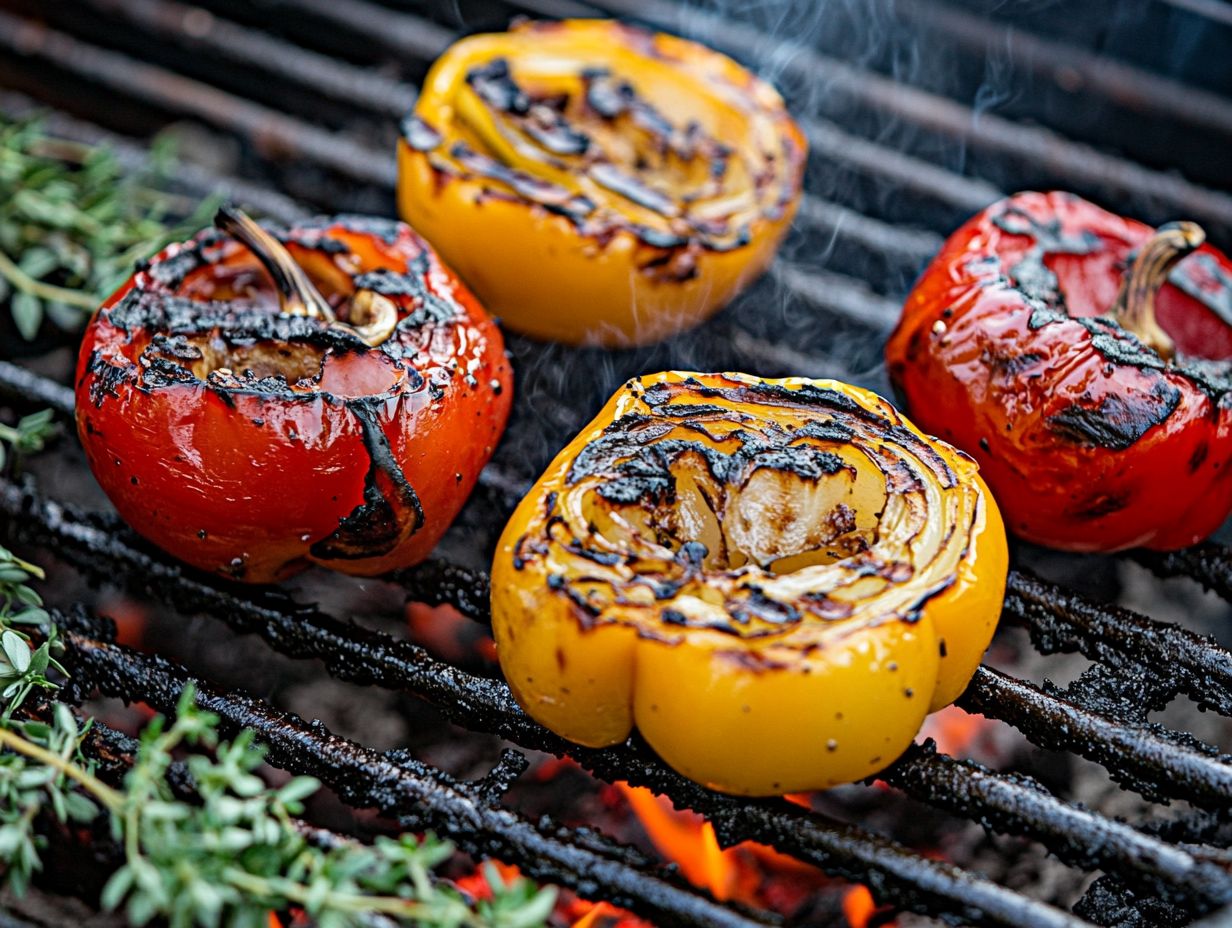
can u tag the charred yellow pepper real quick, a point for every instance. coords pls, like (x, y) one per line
(774, 580)
(596, 183)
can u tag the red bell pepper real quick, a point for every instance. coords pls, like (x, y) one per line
(1082, 359)
(253, 401)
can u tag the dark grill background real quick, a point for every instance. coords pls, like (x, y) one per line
(918, 114)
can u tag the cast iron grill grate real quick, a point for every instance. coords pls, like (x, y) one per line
(286, 78)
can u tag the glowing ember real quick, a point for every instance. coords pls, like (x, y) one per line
(954, 730)
(448, 634)
(859, 907)
(130, 617)
(476, 884)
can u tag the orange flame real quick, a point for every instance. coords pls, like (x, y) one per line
(605, 915)
(748, 872)
(686, 838)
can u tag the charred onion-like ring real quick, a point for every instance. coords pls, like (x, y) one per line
(255, 401)
(597, 183)
(1076, 355)
(774, 580)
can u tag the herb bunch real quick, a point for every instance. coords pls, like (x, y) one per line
(227, 859)
(76, 223)
(239, 852)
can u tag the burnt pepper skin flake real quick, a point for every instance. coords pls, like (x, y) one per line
(256, 400)
(1083, 359)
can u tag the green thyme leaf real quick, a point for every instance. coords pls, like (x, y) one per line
(78, 222)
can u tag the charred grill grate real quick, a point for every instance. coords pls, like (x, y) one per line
(243, 77)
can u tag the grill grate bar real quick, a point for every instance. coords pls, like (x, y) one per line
(272, 132)
(1078, 163)
(364, 777)
(186, 25)
(1018, 805)
(17, 382)
(1061, 620)
(1208, 563)
(410, 34)
(419, 795)
(390, 100)
(1123, 84)
(368, 657)
(1139, 758)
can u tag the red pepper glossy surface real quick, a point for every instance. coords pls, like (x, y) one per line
(250, 442)
(1010, 348)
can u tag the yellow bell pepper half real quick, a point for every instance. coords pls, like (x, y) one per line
(774, 580)
(595, 183)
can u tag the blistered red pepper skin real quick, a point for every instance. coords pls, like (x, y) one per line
(361, 471)
(1088, 441)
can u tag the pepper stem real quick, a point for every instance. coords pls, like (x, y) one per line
(1134, 309)
(296, 293)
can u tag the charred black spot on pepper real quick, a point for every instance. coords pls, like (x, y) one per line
(419, 134)
(380, 522)
(1199, 456)
(1119, 420)
(757, 605)
(106, 378)
(1101, 505)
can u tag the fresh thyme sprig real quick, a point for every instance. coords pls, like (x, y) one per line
(238, 853)
(28, 436)
(76, 223)
(23, 667)
(29, 786)
(229, 858)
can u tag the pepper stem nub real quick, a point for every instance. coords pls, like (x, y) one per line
(1134, 309)
(297, 294)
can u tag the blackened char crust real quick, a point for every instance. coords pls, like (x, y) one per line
(374, 527)
(1118, 421)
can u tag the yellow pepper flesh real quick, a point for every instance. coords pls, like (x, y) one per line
(774, 581)
(595, 183)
